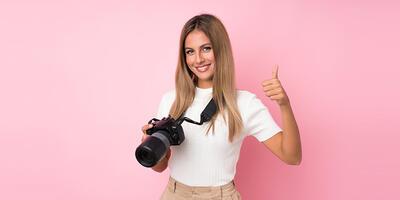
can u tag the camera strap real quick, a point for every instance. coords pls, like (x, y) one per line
(205, 116)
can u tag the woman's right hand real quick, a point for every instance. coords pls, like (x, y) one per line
(164, 162)
(144, 128)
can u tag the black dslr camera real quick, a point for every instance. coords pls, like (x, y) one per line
(164, 133)
(167, 132)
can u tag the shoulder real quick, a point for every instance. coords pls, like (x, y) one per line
(169, 95)
(165, 104)
(248, 103)
(167, 98)
(244, 97)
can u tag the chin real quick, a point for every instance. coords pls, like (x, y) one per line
(205, 78)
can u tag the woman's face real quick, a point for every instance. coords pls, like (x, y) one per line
(200, 57)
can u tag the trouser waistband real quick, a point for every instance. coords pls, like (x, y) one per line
(175, 185)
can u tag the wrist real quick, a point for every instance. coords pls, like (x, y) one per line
(285, 105)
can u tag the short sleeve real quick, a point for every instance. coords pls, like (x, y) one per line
(165, 105)
(160, 112)
(258, 121)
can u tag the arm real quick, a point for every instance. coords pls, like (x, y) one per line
(162, 164)
(286, 145)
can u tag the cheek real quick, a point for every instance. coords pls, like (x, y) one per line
(189, 65)
(210, 56)
(189, 61)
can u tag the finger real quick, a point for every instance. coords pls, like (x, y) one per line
(144, 128)
(275, 72)
(147, 126)
(270, 81)
(274, 92)
(271, 87)
(276, 97)
(144, 136)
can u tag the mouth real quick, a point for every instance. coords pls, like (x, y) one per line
(203, 68)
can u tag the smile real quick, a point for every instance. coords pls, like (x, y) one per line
(203, 68)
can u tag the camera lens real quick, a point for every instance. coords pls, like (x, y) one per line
(152, 150)
(146, 157)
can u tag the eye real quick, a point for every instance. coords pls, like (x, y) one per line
(206, 49)
(189, 52)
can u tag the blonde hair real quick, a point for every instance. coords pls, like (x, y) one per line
(224, 86)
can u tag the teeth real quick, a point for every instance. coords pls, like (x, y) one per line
(202, 69)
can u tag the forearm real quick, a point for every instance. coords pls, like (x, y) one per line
(163, 163)
(291, 144)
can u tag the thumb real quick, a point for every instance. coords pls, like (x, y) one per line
(275, 72)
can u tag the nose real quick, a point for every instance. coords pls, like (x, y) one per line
(199, 58)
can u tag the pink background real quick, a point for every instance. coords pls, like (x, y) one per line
(78, 79)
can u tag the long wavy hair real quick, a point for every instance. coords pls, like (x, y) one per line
(224, 86)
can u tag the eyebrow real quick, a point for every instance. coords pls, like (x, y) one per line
(200, 46)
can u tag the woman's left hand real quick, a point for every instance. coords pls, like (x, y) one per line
(274, 90)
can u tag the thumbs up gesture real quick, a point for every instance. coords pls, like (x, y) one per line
(274, 90)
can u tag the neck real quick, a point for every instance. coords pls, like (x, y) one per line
(205, 84)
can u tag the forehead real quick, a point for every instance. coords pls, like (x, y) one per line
(196, 38)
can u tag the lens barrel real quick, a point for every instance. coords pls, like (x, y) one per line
(152, 149)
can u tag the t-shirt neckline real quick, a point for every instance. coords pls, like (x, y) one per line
(202, 92)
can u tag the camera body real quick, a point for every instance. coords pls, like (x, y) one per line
(167, 132)
(162, 135)
(169, 127)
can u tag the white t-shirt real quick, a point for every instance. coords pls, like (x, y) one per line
(210, 160)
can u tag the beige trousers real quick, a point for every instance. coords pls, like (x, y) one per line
(179, 191)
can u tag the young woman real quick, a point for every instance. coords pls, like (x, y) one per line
(204, 165)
